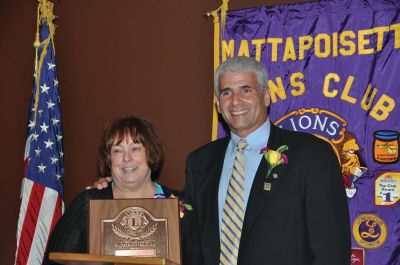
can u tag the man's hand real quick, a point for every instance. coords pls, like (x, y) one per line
(100, 184)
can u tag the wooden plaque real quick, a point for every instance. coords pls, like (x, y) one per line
(135, 227)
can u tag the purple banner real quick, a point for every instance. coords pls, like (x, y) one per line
(334, 71)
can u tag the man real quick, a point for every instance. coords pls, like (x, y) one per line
(289, 210)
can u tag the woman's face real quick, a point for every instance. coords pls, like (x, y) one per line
(129, 164)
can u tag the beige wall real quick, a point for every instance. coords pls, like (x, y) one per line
(152, 58)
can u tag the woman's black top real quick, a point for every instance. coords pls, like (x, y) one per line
(70, 233)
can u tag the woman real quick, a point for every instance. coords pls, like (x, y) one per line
(131, 152)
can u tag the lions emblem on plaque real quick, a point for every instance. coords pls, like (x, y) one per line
(135, 232)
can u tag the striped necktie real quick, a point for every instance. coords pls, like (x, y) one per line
(233, 211)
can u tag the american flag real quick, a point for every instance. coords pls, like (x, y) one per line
(41, 200)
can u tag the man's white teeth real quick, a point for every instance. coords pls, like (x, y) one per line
(240, 112)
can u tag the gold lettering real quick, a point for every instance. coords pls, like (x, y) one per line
(370, 99)
(276, 89)
(305, 43)
(297, 83)
(345, 95)
(327, 43)
(244, 49)
(346, 41)
(335, 50)
(228, 50)
(380, 33)
(363, 41)
(382, 108)
(328, 77)
(258, 43)
(274, 47)
(289, 53)
(396, 29)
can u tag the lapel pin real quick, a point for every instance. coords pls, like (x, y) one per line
(267, 186)
(275, 176)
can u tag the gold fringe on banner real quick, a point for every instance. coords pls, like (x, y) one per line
(216, 64)
(224, 8)
(44, 14)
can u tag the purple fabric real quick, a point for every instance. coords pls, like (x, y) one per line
(366, 139)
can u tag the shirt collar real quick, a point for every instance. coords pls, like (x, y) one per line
(257, 139)
(159, 191)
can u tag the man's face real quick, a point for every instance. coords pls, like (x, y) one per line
(241, 102)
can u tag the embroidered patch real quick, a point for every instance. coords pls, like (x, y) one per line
(387, 189)
(357, 256)
(369, 231)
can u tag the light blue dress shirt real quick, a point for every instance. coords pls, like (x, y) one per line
(256, 141)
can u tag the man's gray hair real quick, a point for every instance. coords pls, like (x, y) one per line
(242, 64)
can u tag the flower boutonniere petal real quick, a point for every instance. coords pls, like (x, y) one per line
(274, 158)
(182, 206)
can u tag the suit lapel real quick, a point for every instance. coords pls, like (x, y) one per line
(263, 189)
(211, 224)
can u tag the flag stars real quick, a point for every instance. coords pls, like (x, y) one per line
(59, 138)
(31, 124)
(45, 88)
(61, 154)
(55, 82)
(55, 121)
(54, 160)
(40, 112)
(50, 104)
(48, 143)
(34, 136)
(58, 177)
(37, 151)
(41, 167)
(44, 127)
(51, 66)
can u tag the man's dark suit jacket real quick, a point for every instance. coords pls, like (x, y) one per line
(302, 220)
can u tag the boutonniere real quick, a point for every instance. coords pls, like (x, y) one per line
(274, 158)
(182, 206)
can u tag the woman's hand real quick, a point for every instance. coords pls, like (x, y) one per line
(101, 183)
